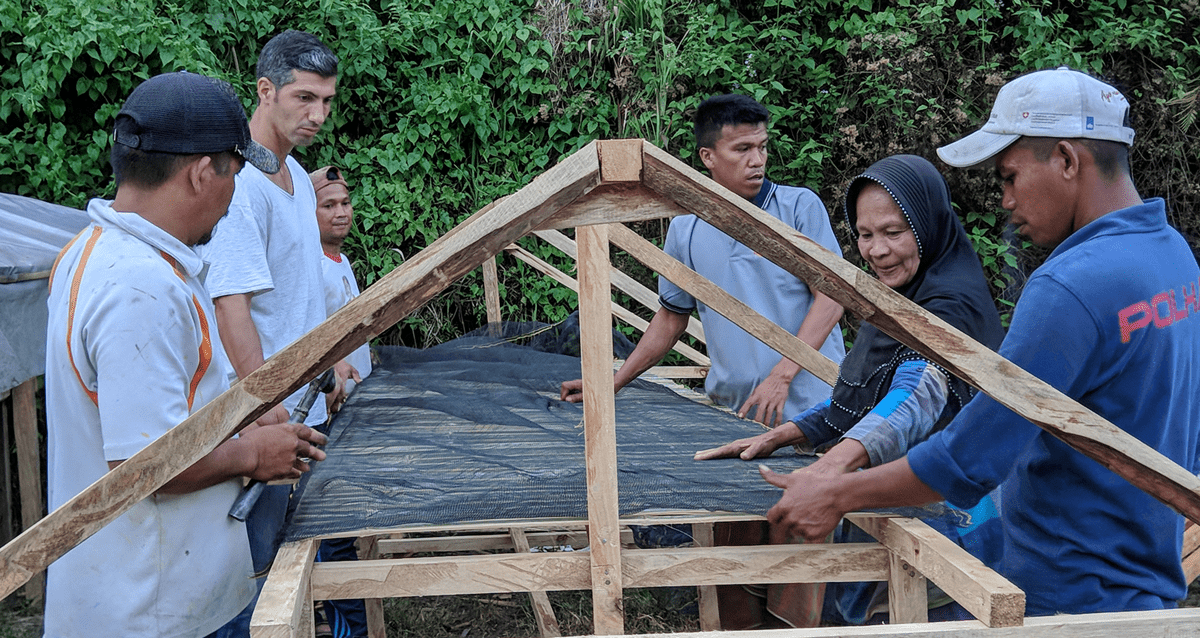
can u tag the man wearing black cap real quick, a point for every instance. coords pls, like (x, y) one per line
(130, 354)
(1109, 320)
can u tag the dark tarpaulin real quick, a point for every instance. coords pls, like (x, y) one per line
(473, 430)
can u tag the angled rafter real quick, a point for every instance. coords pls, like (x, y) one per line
(913, 326)
(711, 295)
(380, 306)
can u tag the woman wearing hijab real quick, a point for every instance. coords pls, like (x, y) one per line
(888, 397)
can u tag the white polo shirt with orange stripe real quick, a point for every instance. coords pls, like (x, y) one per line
(132, 350)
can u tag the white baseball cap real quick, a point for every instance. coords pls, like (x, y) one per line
(1059, 103)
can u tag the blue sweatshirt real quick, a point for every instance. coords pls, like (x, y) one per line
(1112, 319)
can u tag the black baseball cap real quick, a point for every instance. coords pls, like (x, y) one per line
(188, 113)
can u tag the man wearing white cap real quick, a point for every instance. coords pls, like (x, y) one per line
(1104, 320)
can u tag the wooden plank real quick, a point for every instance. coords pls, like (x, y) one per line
(600, 429)
(557, 571)
(711, 295)
(706, 595)
(620, 160)
(543, 613)
(986, 594)
(908, 598)
(490, 542)
(620, 312)
(621, 281)
(491, 290)
(654, 518)
(284, 608)
(29, 467)
(678, 372)
(913, 326)
(373, 607)
(379, 306)
(615, 202)
(841, 563)
(1172, 623)
(452, 575)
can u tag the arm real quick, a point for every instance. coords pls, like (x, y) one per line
(771, 395)
(792, 432)
(663, 332)
(242, 344)
(814, 502)
(906, 415)
(265, 453)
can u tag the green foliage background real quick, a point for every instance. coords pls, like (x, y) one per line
(445, 106)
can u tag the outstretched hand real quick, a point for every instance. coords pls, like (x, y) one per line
(768, 401)
(808, 507)
(571, 391)
(749, 448)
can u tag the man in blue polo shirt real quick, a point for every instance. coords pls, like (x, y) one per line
(1106, 321)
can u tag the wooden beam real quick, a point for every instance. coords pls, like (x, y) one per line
(600, 429)
(379, 306)
(620, 160)
(543, 613)
(615, 202)
(621, 281)
(920, 330)
(711, 295)
(373, 607)
(678, 372)
(284, 608)
(706, 595)
(558, 571)
(491, 290)
(452, 575)
(490, 542)
(986, 594)
(29, 467)
(1172, 623)
(908, 597)
(617, 310)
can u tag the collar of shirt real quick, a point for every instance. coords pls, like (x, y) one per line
(101, 211)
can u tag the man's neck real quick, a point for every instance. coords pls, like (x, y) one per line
(331, 249)
(262, 132)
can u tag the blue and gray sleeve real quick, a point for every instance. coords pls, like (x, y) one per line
(906, 415)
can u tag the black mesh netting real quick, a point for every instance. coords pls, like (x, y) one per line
(473, 430)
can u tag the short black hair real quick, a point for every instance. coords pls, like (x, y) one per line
(1111, 158)
(720, 111)
(148, 169)
(295, 51)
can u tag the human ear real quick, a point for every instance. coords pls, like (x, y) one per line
(264, 88)
(706, 156)
(1068, 152)
(201, 172)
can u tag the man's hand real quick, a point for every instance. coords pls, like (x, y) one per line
(808, 507)
(279, 449)
(756, 446)
(277, 414)
(342, 371)
(769, 399)
(571, 391)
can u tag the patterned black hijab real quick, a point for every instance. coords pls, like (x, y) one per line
(949, 283)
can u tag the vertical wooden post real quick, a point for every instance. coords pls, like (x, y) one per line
(710, 615)
(599, 428)
(543, 613)
(908, 599)
(29, 467)
(491, 290)
(368, 549)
